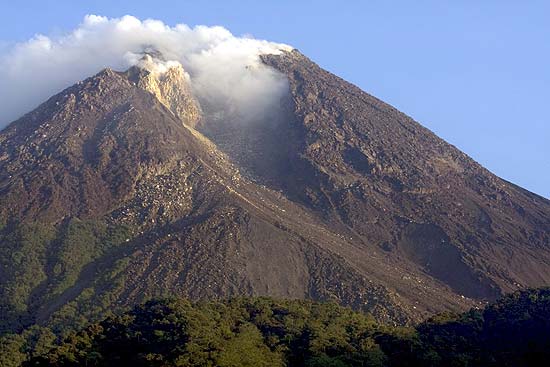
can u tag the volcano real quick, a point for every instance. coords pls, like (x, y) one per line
(127, 186)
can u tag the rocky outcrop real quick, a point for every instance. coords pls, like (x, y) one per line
(170, 85)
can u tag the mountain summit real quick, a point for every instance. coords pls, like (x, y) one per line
(130, 185)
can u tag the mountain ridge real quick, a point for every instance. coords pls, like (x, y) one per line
(434, 160)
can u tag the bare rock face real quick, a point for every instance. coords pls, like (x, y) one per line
(122, 188)
(170, 85)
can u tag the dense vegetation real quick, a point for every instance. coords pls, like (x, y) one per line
(514, 331)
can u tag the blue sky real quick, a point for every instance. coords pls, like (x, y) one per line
(477, 73)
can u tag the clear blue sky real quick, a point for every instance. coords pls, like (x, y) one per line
(477, 73)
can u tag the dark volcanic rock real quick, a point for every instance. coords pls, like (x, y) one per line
(392, 182)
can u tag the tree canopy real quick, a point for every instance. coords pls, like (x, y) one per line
(265, 332)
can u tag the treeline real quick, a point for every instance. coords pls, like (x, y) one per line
(514, 331)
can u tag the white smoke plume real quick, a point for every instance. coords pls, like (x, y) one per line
(224, 70)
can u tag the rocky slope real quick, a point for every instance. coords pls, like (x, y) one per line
(396, 185)
(123, 188)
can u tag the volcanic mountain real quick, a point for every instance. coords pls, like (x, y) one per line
(126, 186)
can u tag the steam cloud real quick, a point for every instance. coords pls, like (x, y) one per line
(224, 70)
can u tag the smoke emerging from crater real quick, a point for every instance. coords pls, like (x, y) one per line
(225, 71)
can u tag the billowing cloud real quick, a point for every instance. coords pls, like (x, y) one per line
(224, 70)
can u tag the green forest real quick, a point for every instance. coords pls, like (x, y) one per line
(265, 332)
